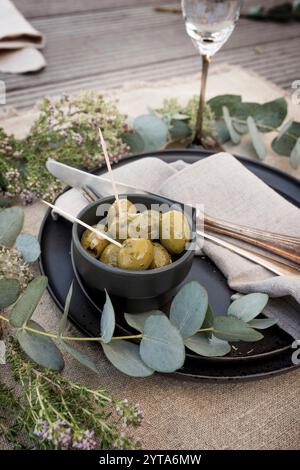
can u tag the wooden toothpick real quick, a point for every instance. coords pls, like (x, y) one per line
(110, 172)
(80, 222)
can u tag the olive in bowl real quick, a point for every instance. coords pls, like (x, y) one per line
(140, 269)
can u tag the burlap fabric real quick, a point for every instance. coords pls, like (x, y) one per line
(184, 414)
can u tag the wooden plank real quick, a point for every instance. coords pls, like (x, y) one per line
(46, 8)
(276, 58)
(108, 41)
(105, 48)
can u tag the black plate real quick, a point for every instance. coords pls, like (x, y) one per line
(250, 360)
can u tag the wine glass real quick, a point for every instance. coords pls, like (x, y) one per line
(209, 23)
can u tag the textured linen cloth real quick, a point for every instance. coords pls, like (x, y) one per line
(18, 42)
(231, 192)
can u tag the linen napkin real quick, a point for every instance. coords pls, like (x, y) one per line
(19, 42)
(231, 192)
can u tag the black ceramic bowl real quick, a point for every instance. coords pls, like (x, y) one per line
(151, 288)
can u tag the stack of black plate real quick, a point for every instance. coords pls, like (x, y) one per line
(270, 356)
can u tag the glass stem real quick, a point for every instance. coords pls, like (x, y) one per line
(199, 123)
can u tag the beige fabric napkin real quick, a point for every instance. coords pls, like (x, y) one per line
(18, 42)
(229, 191)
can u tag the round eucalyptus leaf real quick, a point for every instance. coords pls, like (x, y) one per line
(188, 308)
(125, 357)
(249, 306)
(295, 155)
(284, 143)
(271, 114)
(137, 320)
(257, 141)
(267, 116)
(28, 246)
(240, 126)
(221, 131)
(162, 346)
(230, 101)
(79, 356)
(208, 321)
(9, 291)
(153, 131)
(234, 136)
(262, 323)
(179, 130)
(23, 310)
(11, 223)
(230, 328)
(108, 322)
(206, 346)
(135, 142)
(40, 349)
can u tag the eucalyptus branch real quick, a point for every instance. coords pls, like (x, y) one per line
(75, 338)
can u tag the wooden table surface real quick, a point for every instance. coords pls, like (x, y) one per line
(104, 43)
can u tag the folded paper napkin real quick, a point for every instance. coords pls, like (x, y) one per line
(19, 42)
(230, 192)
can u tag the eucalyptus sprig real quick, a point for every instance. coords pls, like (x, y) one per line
(191, 323)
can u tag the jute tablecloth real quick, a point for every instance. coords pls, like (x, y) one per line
(185, 414)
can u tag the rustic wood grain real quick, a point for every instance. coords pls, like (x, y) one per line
(115, 41)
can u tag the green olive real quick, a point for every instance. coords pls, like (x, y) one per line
(125, 207)
(161, 257)
(92, 243)
(174, 231)
(136, 253)
(110, 255)
(118, 227)
(145, 225)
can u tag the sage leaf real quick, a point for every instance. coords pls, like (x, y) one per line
(9, 291)
(295, 155)
(249, 306)
(11, 223)
(28, 246)
(188, 308)
(206, 346)
(179, 130)
(230, 101)
(284, 143)
(23, 310)
(262, 323)
(257, 142)
(230, 328)
(137, 320)
(162, 347)
(135, 142)
(2, 353)
(125, 357)
(153, 131)
(108, 322)
(234, 136)
(64, 318)
(79, 356)
(40, 349)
